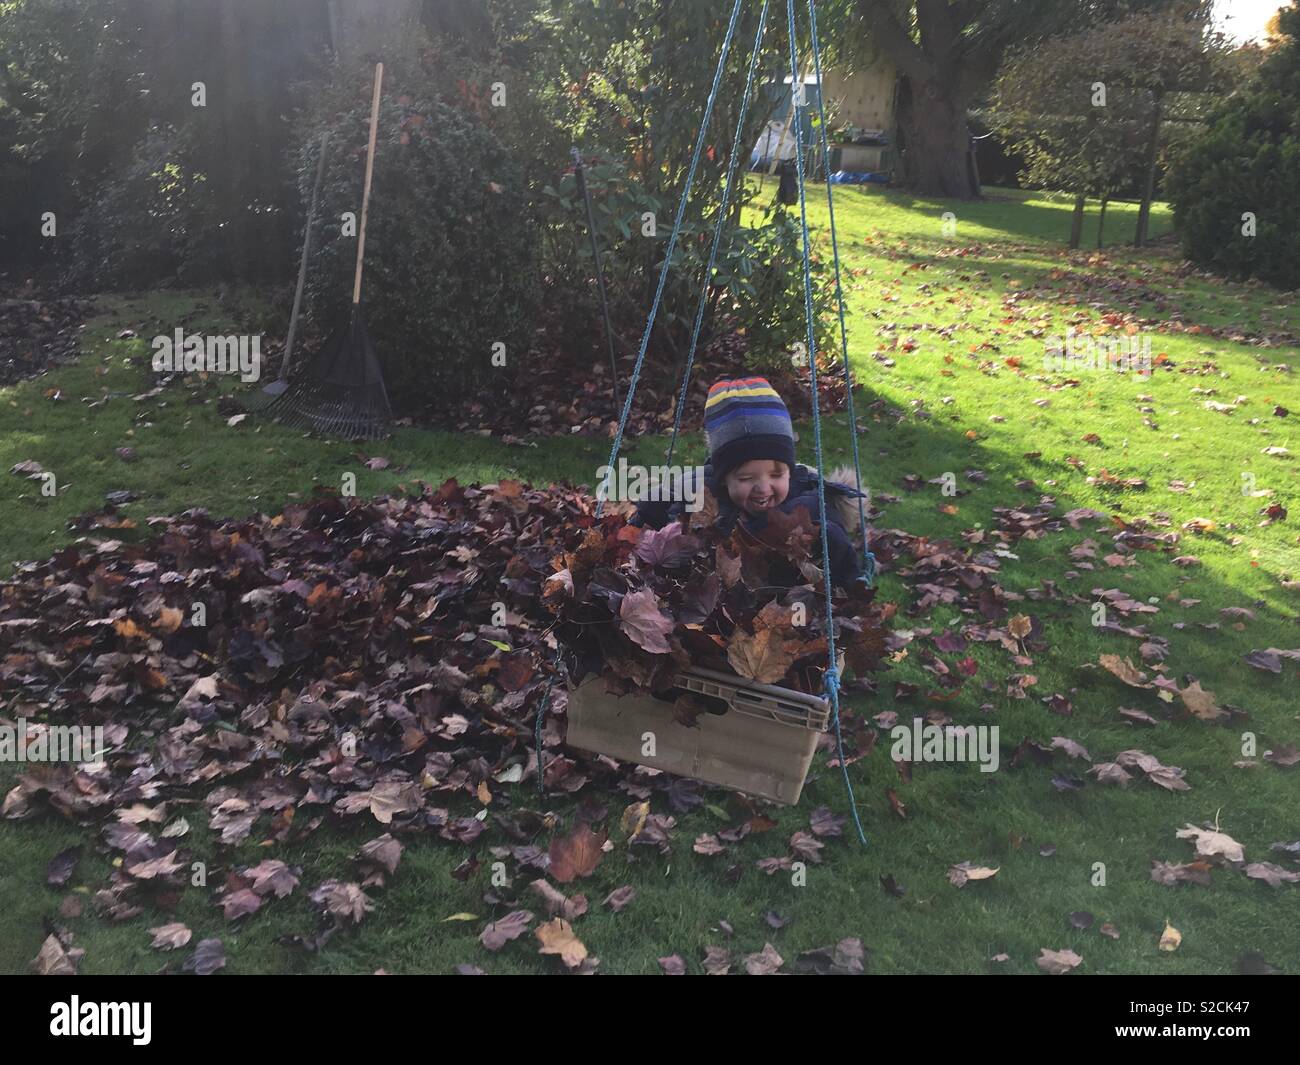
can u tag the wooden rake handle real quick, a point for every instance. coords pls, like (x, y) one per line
(365, 194)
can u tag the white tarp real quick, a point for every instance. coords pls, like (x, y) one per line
(770, 143)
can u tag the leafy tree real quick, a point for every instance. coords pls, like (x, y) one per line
(1274, 34)
(1236, 190)
(1088, 110)
(947, 53)
(88, 92)
(1071, 136)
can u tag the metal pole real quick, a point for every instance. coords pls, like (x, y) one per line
(600, 273)
(280, 385)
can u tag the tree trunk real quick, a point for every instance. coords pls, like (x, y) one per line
(1101, 219)
(934, 140)
(1153, 147)
(1076, 224)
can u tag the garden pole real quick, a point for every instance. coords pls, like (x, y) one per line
(600, 273)
(281, 383)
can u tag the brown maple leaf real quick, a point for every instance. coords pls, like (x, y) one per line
(556, 937)
(498, 933)
(1201, 702)
(792, 535)
(170, 936)
(1057, 962)
(765, 658)
(345, 902)
(644, 622)
(1125, 670)
(576, 854)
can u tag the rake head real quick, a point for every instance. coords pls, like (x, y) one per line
(340, 392)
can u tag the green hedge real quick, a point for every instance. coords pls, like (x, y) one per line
(451, 256)
(1248, 161)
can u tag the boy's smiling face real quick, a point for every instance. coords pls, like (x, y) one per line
(759, 485)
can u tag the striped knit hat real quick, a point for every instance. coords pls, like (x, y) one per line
(745, 419)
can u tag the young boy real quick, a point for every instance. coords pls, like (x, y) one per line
(752, 471)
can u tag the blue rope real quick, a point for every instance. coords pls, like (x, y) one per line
(672, 242)
(537, 730)
(831, 680)
(717, 229)
(868, 559)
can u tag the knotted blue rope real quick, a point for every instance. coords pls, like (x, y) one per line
(654, 310)
(868, 559)
(717, 229)
(537, 729)
(831, 681)
(672, 243)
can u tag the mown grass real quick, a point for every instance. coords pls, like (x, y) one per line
(967, 304)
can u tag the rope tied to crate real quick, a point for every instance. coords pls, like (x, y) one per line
(672, 243)
(654, 307)
(868, 559)
(537, 728)
(831, 679)
(717, 230)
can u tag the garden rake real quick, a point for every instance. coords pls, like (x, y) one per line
(341, 392)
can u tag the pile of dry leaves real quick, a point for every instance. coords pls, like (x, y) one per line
(645, 603)
(38, 334)
(380, 659)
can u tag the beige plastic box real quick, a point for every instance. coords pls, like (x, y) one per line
(762, 745)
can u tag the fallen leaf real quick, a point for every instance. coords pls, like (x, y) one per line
(765, 963)
(576, 854)
(345, 902)
(960, 874)
(1057, 962)
(1272, 875)
(170, 936)
(385, 851)
(556, 937)
(1170, 874)
(763, 658)
(54, 959)
(208, 957)
(240, 903)
(1201, 702)
(498, 933)
(61, 866)
(1212, 843)
(1124, 670)
(645, 624)
(557, 902)
(273, 875)
(633, 819)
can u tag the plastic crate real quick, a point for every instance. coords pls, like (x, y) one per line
(762, 745)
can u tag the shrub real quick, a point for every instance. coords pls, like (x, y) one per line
(762, 272)
(161, 219)
(451, 251)
(1248, 161)
(757, 285)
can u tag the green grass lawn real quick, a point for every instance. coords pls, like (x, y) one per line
(951, 330)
